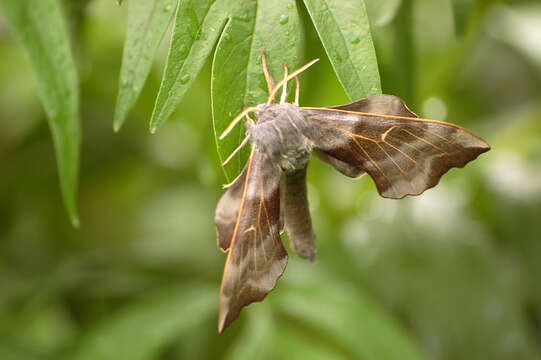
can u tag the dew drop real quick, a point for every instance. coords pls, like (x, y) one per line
(227, 37)
(185, 79)
(243, 17)
(356, 40)
(167, 8)
(284, 19)
(290, 6)
(183, 49)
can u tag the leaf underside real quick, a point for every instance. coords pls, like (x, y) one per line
(197, 27)
(42, 32)
(147, 23)
(237, 73)
(344, 30)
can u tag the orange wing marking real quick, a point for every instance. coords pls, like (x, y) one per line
(435, 134)
(405, 143)
(260, 233)
(407, 156)
(399, 168)
(372, 161)
(425, 141)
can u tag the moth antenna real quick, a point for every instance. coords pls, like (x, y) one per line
(284, 88)
(242, 144)
(297, 90)
(268, 77)
(289, 77)
(237, 119)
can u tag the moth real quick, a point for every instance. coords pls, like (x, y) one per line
(379, 135)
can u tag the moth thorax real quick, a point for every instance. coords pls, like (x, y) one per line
(284, 135)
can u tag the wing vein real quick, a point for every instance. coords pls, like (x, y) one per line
(399, 168)
(408, 157)
(425, 141)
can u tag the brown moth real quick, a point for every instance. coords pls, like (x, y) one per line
(378, 135)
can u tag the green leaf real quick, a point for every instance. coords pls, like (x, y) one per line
(147, 22)
(237, 73)
(344, 30)
(40, 29)
(141, 331)
(336, 316)
(119, 2)
(197, 27)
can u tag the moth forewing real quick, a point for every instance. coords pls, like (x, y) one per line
(256, 257)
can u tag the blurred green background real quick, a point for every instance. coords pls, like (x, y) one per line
(452, 274)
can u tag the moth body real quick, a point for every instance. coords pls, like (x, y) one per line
(284, 134)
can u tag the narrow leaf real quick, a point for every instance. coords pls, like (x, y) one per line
(197, 27)
(147, 22)
(41, 30)
(344, 30)
(237, 73)
(141, 331)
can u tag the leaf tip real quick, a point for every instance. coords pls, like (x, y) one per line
(118, 119)
(75, 221)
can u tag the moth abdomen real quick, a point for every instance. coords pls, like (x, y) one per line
(298, 223)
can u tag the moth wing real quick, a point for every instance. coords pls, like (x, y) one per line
(256, 257)
(403, 154)
(227, 211)
(378, 104)
(345, 168)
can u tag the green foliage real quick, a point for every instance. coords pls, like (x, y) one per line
(452, 274)
(197, 27)
(147, 23)
(237, 76)
(40, 29)
(345, 33)
(157, 322)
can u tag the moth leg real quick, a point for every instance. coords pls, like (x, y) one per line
(242, 144)
(297, 90)
(249, 125)
(284, 88)
(268, 76)
(237, 119)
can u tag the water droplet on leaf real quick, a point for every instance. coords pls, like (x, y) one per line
(356, 40)
(185, 79)
(284, 19)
